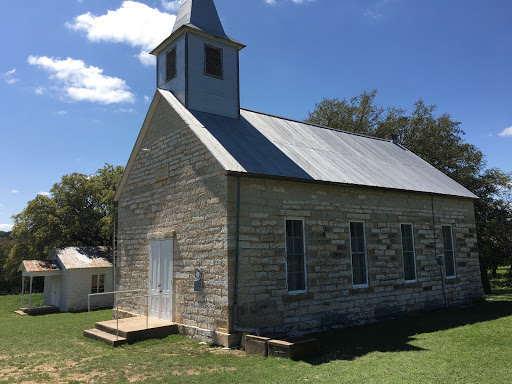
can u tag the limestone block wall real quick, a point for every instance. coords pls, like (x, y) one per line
(177, 186)
(330, 297)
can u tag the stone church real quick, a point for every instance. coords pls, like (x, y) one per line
(240, 221)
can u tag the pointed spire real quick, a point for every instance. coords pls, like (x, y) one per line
(200, 14)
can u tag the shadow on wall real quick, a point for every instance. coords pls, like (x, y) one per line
(396, 335)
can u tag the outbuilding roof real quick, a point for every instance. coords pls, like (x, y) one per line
(39, 266)
(82, 257)
(262, 144)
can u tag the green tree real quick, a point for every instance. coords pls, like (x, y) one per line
(439, 140)
(78, 212)
(6, 244)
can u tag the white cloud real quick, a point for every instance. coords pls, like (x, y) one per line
(39, 90)
(135, 24)
(14, 191)
(124, 110)
(171, 6)
(81, 82)
(147, 99)
(61, 112)
(9, 76)
(506, 132)
(376, 11)
(6, 227)
(44, 193)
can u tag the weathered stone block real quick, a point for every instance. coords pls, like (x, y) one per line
(296, 347)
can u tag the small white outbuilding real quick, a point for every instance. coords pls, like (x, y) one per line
(70, 274)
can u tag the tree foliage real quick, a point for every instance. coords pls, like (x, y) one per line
(439, 140)
(6, 244)
(78, 212)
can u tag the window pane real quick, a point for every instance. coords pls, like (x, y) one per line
(450, 267)
(359, 268)
(101, 283)
(408, 252)
(447, 238)
(296, 276)
(297, 246)
(358, 249)
(94, 284)
(449, 255)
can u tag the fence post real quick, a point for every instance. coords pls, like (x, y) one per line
(117, 318)
(89, 311)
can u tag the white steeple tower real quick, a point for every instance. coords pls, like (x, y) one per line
(198, 62)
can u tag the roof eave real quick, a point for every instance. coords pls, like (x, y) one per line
(186, 28)
(316, 181)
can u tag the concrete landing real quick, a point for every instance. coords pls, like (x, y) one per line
(132, 329)
(37, 311)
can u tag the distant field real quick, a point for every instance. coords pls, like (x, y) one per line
(470, 345)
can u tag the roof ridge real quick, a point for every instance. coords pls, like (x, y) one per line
(315, 125)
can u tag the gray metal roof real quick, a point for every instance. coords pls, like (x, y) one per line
(269, 145)
(200, 14)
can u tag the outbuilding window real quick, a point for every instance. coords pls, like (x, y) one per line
(213, 61)
(449, 254)
(358, 251)
(295, 256)
(408, 252)
(98, 283)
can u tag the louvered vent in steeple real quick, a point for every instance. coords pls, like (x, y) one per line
(213, 61)
(170, 62)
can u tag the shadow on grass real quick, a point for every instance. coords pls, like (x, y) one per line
(396, 335)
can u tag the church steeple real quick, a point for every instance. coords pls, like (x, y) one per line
(200, 14)
(198, 62)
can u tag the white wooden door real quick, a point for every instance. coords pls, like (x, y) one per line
(161, 279)
(55, 290)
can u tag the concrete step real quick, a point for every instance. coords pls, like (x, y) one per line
(38, 311)
(108, 338)
(136, 329)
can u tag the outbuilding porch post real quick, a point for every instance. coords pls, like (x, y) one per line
(22, 288)
(30, 294)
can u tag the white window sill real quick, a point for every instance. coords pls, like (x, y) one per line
(360, 286)
(410, 281)
(292, 293)
(451, 277)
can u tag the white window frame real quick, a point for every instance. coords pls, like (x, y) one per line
(365, 255)
(98, 281)
(453, 252)
(413, 252)
(286, 256)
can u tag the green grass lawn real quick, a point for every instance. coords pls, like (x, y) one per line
(465, 345)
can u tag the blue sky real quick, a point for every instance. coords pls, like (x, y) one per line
(76, 81)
